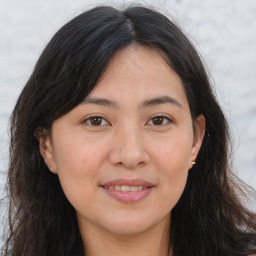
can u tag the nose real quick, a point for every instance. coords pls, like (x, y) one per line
(128, 150)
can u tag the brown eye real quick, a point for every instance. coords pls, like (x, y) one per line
(96, 121)
(158, 120)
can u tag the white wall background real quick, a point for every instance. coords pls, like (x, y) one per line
(224, 31)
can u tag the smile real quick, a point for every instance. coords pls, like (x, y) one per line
(128, 191)
(126, 188)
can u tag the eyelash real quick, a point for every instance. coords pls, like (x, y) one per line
(89, 119)
(168, 120)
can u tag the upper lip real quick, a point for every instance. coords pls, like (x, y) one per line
(128, 182)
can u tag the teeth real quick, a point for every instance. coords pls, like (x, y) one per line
(126, 188)
(117, 188)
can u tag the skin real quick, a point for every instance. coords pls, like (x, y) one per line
(128, 142)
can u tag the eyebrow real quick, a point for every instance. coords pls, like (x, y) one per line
(147, 103)
(161, 100)
(101, 102)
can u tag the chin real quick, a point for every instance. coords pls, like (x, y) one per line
(128, 229)
(131, 226)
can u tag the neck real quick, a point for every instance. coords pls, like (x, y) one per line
(153, 242)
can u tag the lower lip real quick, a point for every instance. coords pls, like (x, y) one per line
(128, 197)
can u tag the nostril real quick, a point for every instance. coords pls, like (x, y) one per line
(128, 155)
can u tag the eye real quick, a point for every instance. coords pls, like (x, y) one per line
(159, 120)
(96, 121)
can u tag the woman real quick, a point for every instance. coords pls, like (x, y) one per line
(119, 147)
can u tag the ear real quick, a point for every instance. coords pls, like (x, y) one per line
(199, 131)
(45, 148)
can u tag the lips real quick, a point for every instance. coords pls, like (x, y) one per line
(128, 191)
(126, 182)
(126, 188)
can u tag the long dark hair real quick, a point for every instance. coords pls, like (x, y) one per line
(209, 218)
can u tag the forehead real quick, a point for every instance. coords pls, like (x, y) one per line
(138, 73)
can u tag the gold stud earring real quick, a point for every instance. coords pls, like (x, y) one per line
(193, 162)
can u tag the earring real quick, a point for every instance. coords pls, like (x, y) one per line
(193, 162)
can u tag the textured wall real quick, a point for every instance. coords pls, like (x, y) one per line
(223, 31)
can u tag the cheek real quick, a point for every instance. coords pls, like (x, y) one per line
(172, 161)
(77, 158)
(174, 155)
(77, 168)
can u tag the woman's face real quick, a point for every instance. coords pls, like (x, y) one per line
(123, 155)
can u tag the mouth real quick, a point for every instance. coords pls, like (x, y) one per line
(128, 191)
(126, 188)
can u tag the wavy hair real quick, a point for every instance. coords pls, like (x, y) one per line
(209, 219)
